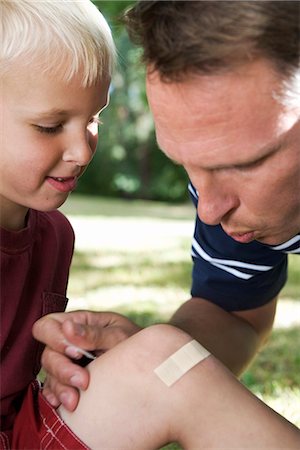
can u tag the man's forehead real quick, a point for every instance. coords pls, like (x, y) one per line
(231, 155)
(236, 110)
(253, 95)
(213, 141)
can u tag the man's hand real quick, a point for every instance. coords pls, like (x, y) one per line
(92, 331)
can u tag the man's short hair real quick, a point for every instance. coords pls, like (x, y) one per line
(209, 37)
(57, 37)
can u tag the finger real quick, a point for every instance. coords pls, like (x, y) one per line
(49, 331)
(64, 370)
(94, 337)
(50, 395)
(57, 393)
(86, 329)
(101, 332)
(113, 335)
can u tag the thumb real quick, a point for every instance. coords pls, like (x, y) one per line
(94, 337)
(80, 334)
(85, 336)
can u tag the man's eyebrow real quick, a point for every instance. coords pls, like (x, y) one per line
(267, 152)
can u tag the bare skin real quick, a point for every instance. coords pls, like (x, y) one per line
(243, 332)
(126, 395)
(50, 129)
(239, 145)
(89, 330)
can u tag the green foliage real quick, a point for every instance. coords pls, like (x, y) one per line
(128, 162)
(291, 289)
(277, 365)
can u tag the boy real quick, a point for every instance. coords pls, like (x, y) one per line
(65, 53)
(56, 63)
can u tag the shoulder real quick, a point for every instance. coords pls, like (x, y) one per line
(56, 224)
(55, 219)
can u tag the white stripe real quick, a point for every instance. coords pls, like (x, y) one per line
(287, 244)
(297, 250)
(237, 273)
(193, 191)
(228, 262)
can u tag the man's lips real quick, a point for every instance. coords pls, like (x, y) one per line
(244, 238)
(62, 184)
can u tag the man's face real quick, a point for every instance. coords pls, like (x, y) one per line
(240, 147)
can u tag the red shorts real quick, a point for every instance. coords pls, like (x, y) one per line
(38, 426)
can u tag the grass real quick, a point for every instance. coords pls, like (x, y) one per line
(82, 205)
(292, 288)
(126, 261)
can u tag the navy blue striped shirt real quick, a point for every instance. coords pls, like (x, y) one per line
(236, 276)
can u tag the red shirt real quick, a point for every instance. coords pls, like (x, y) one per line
(35, 266)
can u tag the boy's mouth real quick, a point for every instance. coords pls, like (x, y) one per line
(62, 184)
(60, 179)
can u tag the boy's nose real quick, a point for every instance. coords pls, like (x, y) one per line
(80, 151)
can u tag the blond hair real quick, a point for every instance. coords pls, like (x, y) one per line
(58, 37)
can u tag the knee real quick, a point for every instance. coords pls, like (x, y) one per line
(144, 350)
(162, 337)
(155, 343)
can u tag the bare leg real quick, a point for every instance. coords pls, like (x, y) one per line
(128, 407)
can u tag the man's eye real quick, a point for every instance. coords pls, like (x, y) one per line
(251, 166)
(49, 130)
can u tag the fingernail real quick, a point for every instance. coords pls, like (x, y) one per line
(51, 399)
(72, 352)
(79, 329)
(64, 398)
(76, 381)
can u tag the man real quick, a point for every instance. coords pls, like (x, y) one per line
(223, 86)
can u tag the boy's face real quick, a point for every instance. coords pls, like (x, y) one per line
(239, 146)
(48, 137)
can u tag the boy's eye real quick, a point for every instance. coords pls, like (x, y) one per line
(57, 128)
(49, 130)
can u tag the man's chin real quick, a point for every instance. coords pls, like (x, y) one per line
(275, 240)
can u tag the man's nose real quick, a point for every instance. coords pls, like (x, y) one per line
(216, 200)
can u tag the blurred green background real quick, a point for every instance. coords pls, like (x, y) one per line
(128, 163)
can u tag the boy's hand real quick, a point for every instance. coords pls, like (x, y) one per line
(95, 332)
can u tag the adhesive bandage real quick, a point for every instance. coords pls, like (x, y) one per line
(181, 362)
